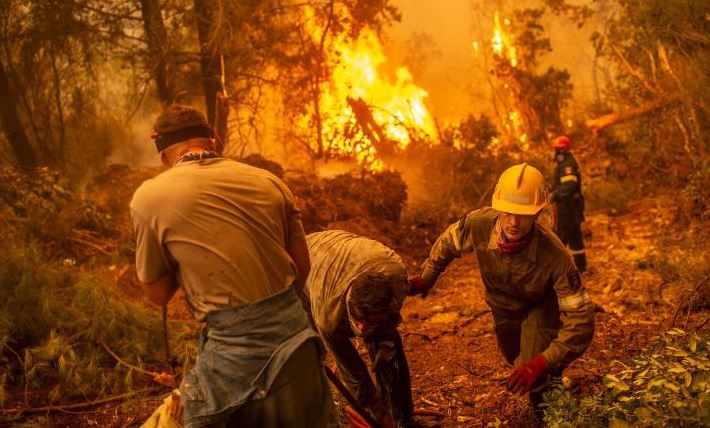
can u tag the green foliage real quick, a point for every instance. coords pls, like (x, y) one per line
(37, 207)
(53, 322)
(451, 176)
(676, 265)
(661, 51)
(667, 386)
(473, 133)
(54, 54)
(610, 194)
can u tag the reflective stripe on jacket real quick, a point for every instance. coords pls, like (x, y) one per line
(515, 283)
(567, 188)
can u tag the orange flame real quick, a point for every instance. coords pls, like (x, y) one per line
(501, 42)
(396, 105)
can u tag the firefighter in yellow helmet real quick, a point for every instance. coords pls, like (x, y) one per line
(542, 314)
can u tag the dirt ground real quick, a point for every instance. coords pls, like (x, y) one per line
(457, 370)
(456, 367)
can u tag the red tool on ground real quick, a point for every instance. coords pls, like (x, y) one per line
(333, 378)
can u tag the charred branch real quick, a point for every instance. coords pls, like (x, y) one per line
(607, 120)
(370, 127)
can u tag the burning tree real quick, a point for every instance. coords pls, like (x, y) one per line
(346, 108)
(533, 99)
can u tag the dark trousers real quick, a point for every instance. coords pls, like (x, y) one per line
(520, 339)
(299, 397)
(569, 230)
(392, 375)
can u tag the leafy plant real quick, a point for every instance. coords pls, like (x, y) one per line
(667, 386)
(55, 324)
(610, 194)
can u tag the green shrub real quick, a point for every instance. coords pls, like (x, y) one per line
(608, 194)
(667, 386)
(54, 323)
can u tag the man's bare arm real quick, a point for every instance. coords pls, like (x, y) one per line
(299, 253)
(161, 290)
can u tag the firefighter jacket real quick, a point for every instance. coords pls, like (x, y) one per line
(567, 188)
(541, 274)
(338, 258)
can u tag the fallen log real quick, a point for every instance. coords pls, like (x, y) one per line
(607, 120)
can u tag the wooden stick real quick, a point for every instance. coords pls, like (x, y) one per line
(123, 362)
(79, 405)
(89, 244)
(422, 412)
(166, 339)
(333, 378)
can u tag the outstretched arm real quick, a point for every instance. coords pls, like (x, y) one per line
(456, 240)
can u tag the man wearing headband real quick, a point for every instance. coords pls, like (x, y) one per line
(230, 235)
(356, 289)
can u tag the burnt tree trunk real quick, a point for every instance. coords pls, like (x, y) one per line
(161, 68)
(11, 124)
(206, 16)
(607, 120)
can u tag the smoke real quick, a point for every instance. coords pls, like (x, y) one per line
(140, 150)
(457, 78)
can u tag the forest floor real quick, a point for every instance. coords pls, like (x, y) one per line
(457, 370)
(456, 367)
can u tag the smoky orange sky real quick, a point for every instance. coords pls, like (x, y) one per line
(455, 75)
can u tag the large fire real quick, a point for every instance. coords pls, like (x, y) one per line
(361, 110)
(502, 44)
(504, 49)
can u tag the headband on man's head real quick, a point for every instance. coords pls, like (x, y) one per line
(165, 139)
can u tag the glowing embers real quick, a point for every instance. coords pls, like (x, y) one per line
(501, 43)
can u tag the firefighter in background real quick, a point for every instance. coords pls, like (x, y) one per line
(356, 289)
(568, 200)
(543, 317)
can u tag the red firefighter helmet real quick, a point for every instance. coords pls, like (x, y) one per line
(561, 142)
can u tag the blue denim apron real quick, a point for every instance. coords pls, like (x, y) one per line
(242, 350)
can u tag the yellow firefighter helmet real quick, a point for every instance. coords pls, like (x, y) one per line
(520, 190)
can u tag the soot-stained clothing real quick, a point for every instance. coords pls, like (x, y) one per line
(222, 227)
(517, 285)
(337, 259)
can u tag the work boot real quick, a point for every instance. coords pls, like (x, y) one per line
(536, 399)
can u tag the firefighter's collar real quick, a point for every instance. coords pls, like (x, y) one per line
(531, 251)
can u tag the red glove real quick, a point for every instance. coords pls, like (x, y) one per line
(525, 377)
(417, 286)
